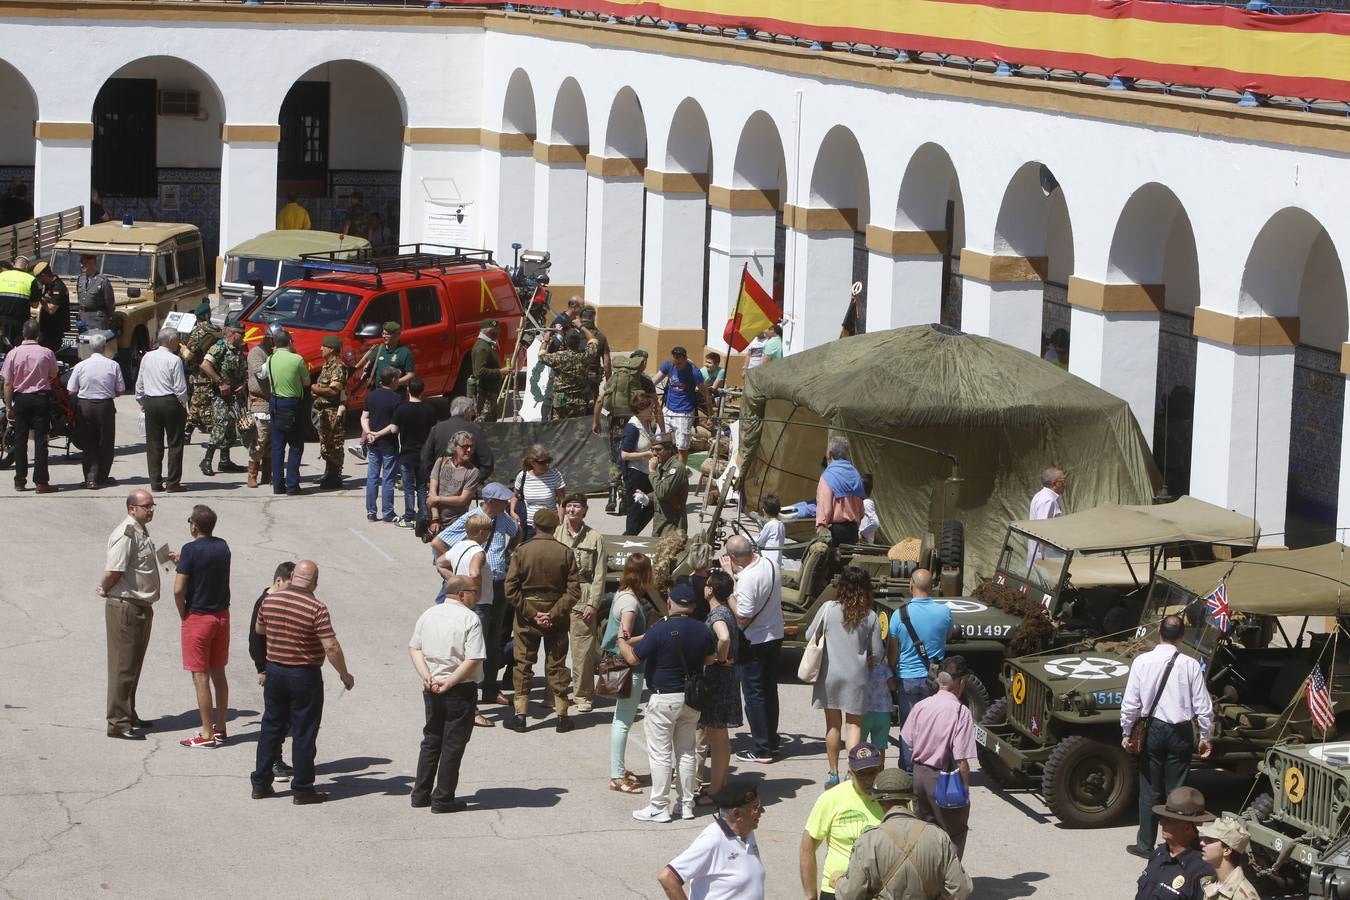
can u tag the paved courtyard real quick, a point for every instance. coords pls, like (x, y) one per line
(85, 816)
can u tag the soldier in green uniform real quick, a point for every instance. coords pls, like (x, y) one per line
(330, 399)
(226, 368)
(585, 544)
(201, 391)
(572, 374)
(541, 587)
(389, 354)
(670, 487)
(600, 368)
(487, 370)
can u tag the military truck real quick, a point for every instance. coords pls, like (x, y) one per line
(271, 259)
(155, 268)
(1059, 727)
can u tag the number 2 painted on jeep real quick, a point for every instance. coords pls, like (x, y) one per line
(1019, 688)
(1295, 784)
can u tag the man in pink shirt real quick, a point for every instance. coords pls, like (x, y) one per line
(839, 495)
(940, 729)
(29, 370)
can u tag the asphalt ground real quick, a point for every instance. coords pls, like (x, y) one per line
(85, 816)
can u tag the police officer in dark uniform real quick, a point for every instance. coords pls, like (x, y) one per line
(54, 315)
(1177, 871)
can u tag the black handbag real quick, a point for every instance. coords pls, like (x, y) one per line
(698, 690)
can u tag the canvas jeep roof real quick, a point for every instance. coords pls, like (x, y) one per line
(1314, 581)
(290, 243)
(1113, 526)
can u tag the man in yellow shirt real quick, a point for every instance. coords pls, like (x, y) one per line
(293, 216)
(839, 818)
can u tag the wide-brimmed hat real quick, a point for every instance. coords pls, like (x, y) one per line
(1186, 804)
(893, 784)
(1230, 831)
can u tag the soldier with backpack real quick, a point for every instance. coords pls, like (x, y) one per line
(201, 388)
(626, 380)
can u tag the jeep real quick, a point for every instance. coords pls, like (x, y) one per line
(273, 258)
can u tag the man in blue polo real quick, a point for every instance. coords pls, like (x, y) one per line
(683, 396)
(931, 623)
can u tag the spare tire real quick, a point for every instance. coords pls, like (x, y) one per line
(952, 547)
(975, 696)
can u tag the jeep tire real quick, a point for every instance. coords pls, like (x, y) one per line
(990, 764)
(975, 697)
(1089, 783)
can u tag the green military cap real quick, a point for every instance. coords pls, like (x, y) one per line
(332, 342)
(392, 327)
(234, 322)
(638, 354)
(488, 323)
(893, 784)
(546, 520)
(203, 310)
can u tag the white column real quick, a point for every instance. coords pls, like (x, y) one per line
(903, 290)
(1008, 311)
(1240, 444)
(248, 190)
(1118, 352)
(560, 215)
(738, 238)
(436, 177)
(61, 170)
(821, 283)
(614, 239)
(672, 295)
(515, 201)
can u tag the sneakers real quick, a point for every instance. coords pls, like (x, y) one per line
(683, 812)
(198, 742)
(832, 780)
(584, 706)
(407, 523)
(359, 452)
(752, 756)
(651, 814)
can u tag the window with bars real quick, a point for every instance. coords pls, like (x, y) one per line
(124, 148)
(302, 153)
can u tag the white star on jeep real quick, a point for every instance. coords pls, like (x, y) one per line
(1087, 668)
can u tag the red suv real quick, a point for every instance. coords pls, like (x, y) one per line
(439, 295)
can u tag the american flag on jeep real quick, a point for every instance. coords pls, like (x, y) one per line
(1319, 700)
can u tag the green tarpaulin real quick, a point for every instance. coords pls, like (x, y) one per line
(1004, 413)
(582, 457)
(1314, 581)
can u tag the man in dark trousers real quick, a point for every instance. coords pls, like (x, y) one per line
(54, 317)
(29, 371)
(299, 636)
(542, 588)
(447, 651)
(257, 649)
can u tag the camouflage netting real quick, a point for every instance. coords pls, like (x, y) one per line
(666, 552)
(1036, 631)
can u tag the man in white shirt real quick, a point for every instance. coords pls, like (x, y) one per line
(1183, 698)
(758, 604)
(723, 862)
(94, 382)
(162, 392)
(447, 651)
(1048, 503)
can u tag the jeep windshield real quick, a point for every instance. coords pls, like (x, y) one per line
(123, 266)
(308, 308)
(271, 272)
(1035, 561)
(1167, 599)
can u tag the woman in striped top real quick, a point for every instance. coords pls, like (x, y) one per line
(539, 486)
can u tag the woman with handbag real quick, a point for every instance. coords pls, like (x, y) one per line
(627, 619)
(725, 710)
(941, 734)
(847, 637)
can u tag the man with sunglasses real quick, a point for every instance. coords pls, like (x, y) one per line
(130, 585)
(723, 862)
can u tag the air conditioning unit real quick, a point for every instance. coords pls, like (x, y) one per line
(175, 102)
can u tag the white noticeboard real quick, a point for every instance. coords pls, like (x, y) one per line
(448, 224)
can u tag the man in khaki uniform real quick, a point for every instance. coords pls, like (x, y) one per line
(541, 586)
(585, 544)
(330, 399)
(670, 487)
(903, 857)
(130, 585)
(260, 437)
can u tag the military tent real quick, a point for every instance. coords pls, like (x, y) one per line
(1003, 415)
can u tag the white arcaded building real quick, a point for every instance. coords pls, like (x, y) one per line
(1192, 249)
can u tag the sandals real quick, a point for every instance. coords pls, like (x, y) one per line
(624, 786)
(703, 798)
(480, 722)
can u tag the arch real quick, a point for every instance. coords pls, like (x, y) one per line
(571, 124)
(759, 155)
(18, 112)
(1140, 242)
(344, 69)
(1024, 214)
(518, 114)
(157, 65)
(626, 129)
(839, 174)
(1272, 279)
(689, 144)
(929, 184)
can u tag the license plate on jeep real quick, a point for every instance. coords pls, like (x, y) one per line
(981, 736)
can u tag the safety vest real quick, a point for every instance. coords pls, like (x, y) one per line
(16, 283)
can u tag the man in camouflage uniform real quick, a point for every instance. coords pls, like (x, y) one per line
(330, 407)
(487, 370)
(572, 374)
(201, 391)
(226, 369)
(600, 369)
(259, 437)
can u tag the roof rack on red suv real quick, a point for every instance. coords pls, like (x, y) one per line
(401, 258)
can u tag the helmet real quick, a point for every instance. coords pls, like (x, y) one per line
(274, 330)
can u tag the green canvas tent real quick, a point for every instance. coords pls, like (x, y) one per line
(1002, 412)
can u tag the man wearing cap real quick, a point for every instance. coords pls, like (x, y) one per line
(94, 294)
(226, 367)
(1224, 844)
(839, 817)
(201, 390)
(584, 542)
(670, 487)
(670, 650)
(259, 393)
(723, 862)
(389, 355)
(1176, 869)
(1165, 693)
(542, 587)
(487, 370)
(54, 314)
(903, 857)
(571, 384)
(330, 407)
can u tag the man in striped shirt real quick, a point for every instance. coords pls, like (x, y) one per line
(299, 636)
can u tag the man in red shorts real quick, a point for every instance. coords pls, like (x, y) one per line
(202, 592)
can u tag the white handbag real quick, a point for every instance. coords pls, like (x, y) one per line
(813, 654)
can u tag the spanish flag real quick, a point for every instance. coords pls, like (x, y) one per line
(754, 312)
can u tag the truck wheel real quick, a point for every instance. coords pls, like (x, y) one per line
(952, 547)
(990, 764)
(130, 357)
(975, 697)
(1088, 783)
